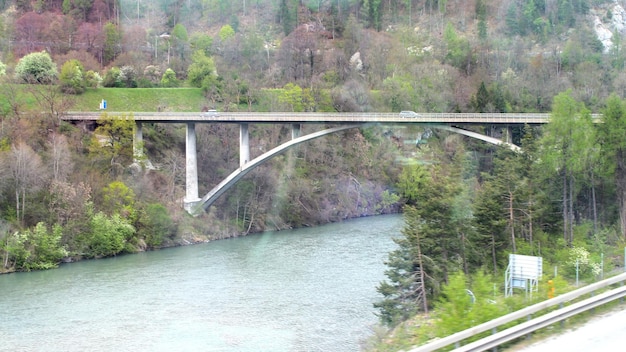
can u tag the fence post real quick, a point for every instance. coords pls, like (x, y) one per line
(576, 272)
(602, 266)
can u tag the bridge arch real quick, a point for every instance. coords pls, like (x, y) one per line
(479, 136)
(236, 175)
(208, 199)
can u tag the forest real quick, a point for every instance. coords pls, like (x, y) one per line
(68, 192)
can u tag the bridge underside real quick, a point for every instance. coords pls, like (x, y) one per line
(195, 205)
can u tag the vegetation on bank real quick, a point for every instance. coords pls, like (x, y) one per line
(552, 200)
(71, 193)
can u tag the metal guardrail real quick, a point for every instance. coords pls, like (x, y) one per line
(531, 325)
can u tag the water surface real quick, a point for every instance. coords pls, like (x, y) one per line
(302, 290)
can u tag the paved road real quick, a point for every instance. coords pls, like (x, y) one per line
(605, 333)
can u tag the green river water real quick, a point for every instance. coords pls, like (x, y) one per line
(302, 290)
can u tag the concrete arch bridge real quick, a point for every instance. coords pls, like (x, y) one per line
(195, 205)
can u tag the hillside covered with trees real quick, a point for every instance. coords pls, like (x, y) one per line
(67, 192)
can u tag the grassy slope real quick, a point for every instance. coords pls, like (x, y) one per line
(142, 99)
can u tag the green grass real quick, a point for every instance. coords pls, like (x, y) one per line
(142, 99)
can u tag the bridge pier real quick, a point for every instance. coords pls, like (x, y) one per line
(191, 189)
(244, 144)
(295, 130)
(138, 142)
(504, 133)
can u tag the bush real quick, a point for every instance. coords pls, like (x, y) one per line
(36, 68)
(72, 79)
(36, 249)
(109, 235)
(155, 225)
(93, 79)
(169, 79)
(113, 78)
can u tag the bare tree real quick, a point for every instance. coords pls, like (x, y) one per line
(24, 173)
(59, 157)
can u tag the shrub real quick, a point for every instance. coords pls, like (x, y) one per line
(72, 78)
(36, 68)
(113, 78)
(169, 79)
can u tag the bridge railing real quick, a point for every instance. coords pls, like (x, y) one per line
(319, 117)
(531, 325)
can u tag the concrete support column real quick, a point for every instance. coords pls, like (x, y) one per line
(508, 135)
(191, 189)
(295, 130)
(138, 142)
(244, 144)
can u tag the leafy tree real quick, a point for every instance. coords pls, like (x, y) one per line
(180, 40)
(36, 68)
(201, 41)
(412, 179)
(202, 70)
(3, 69)
(71, 78)
(111, 145)
(118, 199)
(297, 98)
(400, 93)
(169, 79)
(459, 51)
(112, 42)
(226, 32)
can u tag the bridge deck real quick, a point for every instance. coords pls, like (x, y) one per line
(336, 118)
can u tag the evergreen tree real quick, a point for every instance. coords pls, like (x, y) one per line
(429, 249)
(481, 14)
(286, 17)
(567, 141)
(405, 292)
(490, 222)
(481, 99)
(611, 137)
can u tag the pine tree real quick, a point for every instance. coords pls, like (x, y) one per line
(429, 249)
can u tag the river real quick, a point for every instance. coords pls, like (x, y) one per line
(308, 289)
